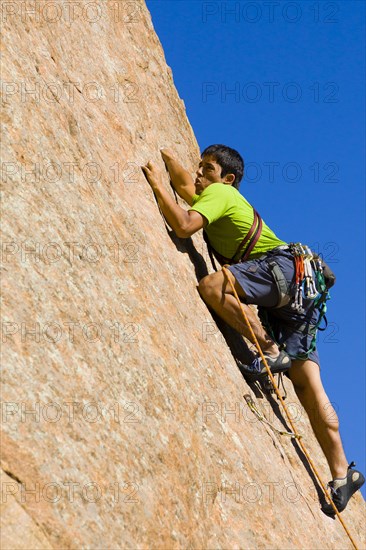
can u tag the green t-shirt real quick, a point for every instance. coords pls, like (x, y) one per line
(230, 217)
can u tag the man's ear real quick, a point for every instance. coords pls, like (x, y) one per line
(229, 179)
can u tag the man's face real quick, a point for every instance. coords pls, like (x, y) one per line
(209, 171)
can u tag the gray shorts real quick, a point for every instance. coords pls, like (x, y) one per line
(255, 278)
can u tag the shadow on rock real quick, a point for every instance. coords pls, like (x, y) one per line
(233, 339)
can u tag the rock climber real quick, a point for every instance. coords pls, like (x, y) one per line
(266, 272)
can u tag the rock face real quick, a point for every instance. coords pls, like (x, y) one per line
(124, 423)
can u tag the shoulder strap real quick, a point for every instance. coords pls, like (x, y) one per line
(249, 242)
(251, 238)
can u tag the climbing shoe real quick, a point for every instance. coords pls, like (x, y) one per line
(257, 369)
(341, 490)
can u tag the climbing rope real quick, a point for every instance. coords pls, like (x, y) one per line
(296, 434)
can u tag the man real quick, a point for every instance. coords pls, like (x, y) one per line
(228, 220)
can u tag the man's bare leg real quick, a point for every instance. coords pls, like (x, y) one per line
(217, 293)
(305, 376)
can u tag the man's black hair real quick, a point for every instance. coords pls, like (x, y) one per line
(231, 161)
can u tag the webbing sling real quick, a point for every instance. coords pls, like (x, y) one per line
(249, 242)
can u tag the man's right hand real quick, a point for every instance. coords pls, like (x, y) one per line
(167, 155)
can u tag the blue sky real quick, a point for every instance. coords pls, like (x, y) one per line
(283, 82)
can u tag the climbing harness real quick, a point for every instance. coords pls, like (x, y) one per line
(304, 450)
(249, 242)
(313, 278)
(263, 419)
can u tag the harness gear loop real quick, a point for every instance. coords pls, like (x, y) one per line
(255, 341)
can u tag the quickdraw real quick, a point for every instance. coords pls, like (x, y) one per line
(263, 419)
(310, 284)
(306, 282)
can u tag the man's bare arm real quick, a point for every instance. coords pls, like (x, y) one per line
(181, 179)
(183, 223)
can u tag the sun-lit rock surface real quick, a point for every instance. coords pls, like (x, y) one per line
(124, 423)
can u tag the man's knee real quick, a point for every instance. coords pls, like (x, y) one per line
(215, 285)
(208, 287)
(306, 380)
(305, 375)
